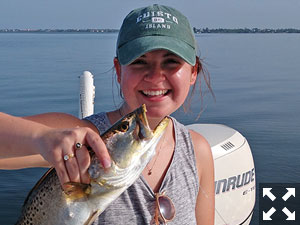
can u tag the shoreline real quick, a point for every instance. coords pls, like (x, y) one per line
(196, 31)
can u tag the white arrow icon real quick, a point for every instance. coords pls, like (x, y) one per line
(291, 216)
(267, 192)
(267, 215)
(290, 192)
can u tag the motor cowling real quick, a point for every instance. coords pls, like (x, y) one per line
(235, 182)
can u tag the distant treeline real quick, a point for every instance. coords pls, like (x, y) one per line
(196, 30)
(245, 30)
(59, 30)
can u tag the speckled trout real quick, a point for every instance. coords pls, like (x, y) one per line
(131, 144)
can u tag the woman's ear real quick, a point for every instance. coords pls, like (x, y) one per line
(118, 69)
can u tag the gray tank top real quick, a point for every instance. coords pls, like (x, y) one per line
(137, 204)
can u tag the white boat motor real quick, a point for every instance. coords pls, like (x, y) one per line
(234, 173)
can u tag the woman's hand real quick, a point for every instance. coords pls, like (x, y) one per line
(50, 135)
(57, 146)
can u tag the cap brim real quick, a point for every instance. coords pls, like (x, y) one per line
(133, 49)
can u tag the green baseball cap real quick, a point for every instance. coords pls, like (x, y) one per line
(155, 27)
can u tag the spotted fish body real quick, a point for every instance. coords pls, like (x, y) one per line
(130, 143)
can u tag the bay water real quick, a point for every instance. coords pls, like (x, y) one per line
(255, 78)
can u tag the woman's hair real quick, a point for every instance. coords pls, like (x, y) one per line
(202, 75)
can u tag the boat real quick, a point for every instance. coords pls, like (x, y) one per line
(235, 182)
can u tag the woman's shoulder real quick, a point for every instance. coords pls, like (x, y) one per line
(200, 143)
(202, 150)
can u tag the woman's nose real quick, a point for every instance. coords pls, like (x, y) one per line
(155, 74)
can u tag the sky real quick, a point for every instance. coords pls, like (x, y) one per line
(82, 14)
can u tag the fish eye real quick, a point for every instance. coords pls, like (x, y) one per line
(124, 126)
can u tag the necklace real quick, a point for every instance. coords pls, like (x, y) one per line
(156, 157)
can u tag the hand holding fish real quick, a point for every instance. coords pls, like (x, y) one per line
(131, 144)
(45, 140)
(58, 147)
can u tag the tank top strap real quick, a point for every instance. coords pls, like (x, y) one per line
(183, 169)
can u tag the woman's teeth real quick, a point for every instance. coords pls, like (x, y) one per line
(155, 93)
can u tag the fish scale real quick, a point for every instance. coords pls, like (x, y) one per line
(36, 201)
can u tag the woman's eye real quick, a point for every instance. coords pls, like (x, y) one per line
(172, 62)
(139, 62)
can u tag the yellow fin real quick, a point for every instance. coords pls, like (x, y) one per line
(75, 190)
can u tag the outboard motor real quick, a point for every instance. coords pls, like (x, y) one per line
(234, 173)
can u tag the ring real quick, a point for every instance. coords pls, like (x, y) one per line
(78, 145)
(68, 156)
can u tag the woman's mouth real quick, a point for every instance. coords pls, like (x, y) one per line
(151, 93)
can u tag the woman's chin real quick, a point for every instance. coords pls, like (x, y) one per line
(156, 115)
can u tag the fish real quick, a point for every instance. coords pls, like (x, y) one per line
(131, 144)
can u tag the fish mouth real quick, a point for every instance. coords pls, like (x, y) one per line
(142, 129)
(141, 113)
(143, 122)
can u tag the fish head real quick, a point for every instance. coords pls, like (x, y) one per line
(131, 144)
(131, 137)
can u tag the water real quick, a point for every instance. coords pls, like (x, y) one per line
(255, 78)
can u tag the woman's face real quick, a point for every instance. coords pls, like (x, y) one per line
(159, 79)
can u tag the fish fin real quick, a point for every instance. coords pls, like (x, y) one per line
(93, 217)
(75, 190)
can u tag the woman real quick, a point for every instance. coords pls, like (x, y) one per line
(156, 64)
